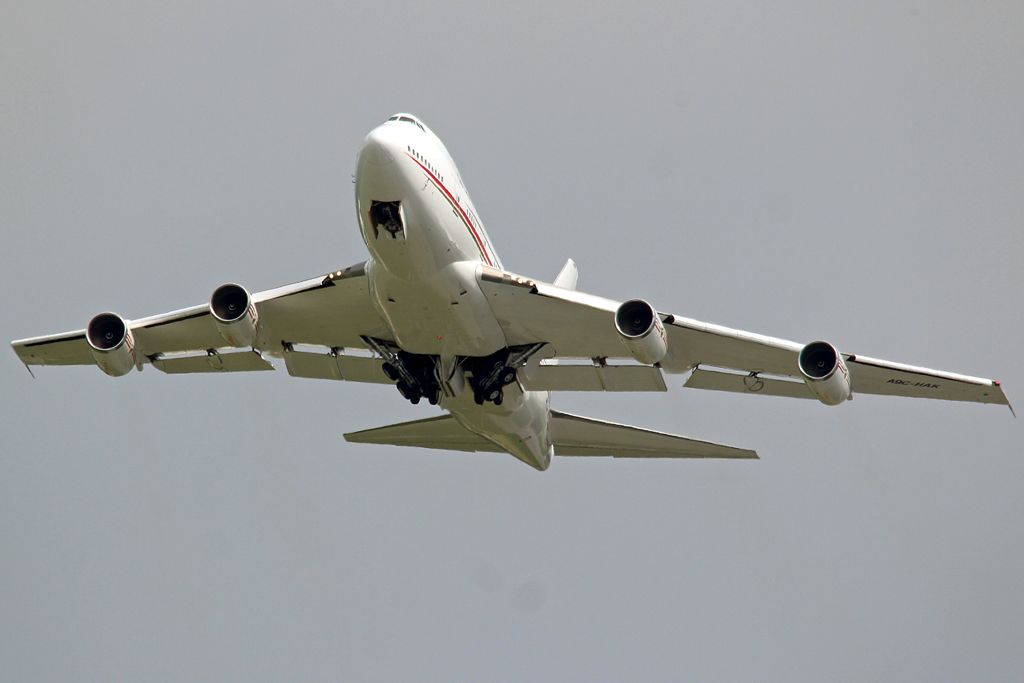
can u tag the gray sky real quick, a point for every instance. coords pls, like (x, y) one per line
(851, 173)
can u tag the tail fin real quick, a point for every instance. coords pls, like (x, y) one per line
(568, 276)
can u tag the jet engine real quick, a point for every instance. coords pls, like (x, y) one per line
(642, 331)
(825, 372)
(236, 317)
(111, 343)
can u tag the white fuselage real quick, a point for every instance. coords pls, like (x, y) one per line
(424, 275)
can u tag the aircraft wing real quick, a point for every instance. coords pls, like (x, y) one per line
(579, 325)
(570, 435)
(333, 310)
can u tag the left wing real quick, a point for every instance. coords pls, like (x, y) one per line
(334, 310)
(578, 325)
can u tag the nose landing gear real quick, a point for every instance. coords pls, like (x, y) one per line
(387, 216)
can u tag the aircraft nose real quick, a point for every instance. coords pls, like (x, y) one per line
(381, 147)
(378, 175)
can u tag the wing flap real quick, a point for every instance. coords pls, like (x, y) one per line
(746, 384)
(565, 377)
(336, 366)
(238, 361)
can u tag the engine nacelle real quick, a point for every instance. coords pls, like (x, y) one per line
(236, 317)
(825, 372)
(111, 343)
(642, 331)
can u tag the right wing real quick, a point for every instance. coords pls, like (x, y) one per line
(570, 435)
(334, 310)
(575, 324)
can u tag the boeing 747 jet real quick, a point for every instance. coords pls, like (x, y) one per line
(434, 312)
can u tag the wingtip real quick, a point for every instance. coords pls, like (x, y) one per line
(999, 385)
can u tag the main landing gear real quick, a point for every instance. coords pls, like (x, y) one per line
(416, 375)
(491, 374)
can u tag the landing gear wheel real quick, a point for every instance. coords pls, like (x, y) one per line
(478, 397)
(508, 375)
(499, 398)
(494, 394)
(411, 394)
(405, 390)
(390, 371)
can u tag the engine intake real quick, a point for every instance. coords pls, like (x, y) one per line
(111, 343)
(642, 331)
(825, 373)
(235, 315)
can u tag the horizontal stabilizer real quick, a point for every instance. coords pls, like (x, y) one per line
(575, 435)
(442, 432)
(572, 436)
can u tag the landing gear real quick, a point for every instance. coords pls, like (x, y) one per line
(387, 216)
(409, 392)
(416, 375)
(413, 374)
(492, 373)
(493, 395)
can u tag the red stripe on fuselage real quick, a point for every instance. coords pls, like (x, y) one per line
(462, 213)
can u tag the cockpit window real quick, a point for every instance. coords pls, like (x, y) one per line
(408, 119)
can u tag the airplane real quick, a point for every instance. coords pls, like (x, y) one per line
(434, 312)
